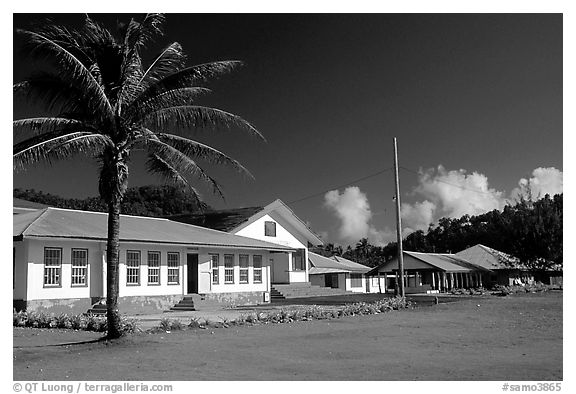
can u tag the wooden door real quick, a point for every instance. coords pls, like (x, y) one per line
(192, 264)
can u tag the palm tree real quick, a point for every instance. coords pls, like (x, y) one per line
(107, 103)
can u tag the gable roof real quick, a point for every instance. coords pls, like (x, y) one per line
(223, 220)
(443, 261)
(23, 206)
(489, 258)
(335, 264)
(234, 220)
(67, 223)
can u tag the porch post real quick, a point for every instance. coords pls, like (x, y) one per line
(433, 281)
(385, 280)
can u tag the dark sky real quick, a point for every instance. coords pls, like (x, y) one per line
(329, 92)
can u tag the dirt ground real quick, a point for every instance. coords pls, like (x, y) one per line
(486, 338)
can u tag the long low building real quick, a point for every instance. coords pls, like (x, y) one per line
(60, 263)
(431, 272)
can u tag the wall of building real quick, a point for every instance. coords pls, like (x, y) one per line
(20, 268)
(205, 272)
(361, 289)
(34, 260)
(285, 236)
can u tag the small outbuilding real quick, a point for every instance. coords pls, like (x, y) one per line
(338, 273)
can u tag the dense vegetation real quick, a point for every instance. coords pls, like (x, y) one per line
(529, 230)
(150, 200)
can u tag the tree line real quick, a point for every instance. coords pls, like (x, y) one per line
(152, 200)
(530, 230)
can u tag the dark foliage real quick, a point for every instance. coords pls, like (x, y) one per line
(155, 201)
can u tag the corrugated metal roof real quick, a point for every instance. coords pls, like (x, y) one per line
(442, 261)
(446, 262)
(319, 271)
(489, 258)
(222, 220)
(65, 223)
(336, 263)
(20, 203)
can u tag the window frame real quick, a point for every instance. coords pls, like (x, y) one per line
(159, 254)
(85, 268)
(354, 277)
(244, 270)
(138, 269)
(302, 254)
(257, 270)
(58, 268)
(177, 268)
(228, 269)
(215, 269)
(269, 231)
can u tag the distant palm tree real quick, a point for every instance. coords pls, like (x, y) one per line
(108, 104)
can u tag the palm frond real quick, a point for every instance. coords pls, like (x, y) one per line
(189, 77)
(196, 149)
(170, 60)
(182, 96)
(48, 124)
(185, 117)
(94, 34)
(139, 34)
(182, 163)
(72, 67)
(157, 165)
(53, 93)
(56, 146)
(130, 86)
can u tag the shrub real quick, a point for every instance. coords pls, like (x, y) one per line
(127, 326)
(63, 321)
(20, 318)
(78, 322)
(194, 323)
(95, 323)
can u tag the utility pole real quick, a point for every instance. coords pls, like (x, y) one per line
(398, 221)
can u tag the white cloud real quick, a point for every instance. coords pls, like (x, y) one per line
(353, 209)
(450, 194)
(544, 181)
(417, 216)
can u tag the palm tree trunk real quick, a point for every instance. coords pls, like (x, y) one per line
(112, 275)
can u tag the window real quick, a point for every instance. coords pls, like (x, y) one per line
(243, 268)
(153, 268)
(173, 268)
(257, 262)
(132, 267)
(52, 267)
(270, 229)
(79, 267)
(298, 260)
(215, 268)
(355, 280)
(228, 268)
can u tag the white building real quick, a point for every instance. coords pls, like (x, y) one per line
(59, 262)
(274, 223)
(338, 273)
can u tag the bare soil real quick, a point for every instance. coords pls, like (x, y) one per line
(518, 337)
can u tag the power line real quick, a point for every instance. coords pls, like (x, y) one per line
(448, 183)
(340, 186)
